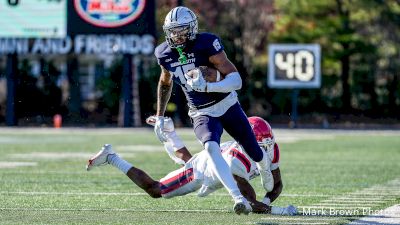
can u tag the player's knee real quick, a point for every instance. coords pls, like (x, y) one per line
(255, 153)
(211, 146)
(256, 156)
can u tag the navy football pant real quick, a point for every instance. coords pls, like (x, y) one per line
(235, 122)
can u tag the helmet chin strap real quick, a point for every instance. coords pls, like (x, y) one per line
(182, 57)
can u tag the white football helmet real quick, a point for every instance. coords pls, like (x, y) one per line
(179, 26)
(263, 132)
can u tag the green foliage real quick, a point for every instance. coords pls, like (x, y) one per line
(364, 32)
(39, 96)
(110, 86)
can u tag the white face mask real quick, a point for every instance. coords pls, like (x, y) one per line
(179, 35)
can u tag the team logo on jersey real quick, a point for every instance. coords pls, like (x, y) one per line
(109, 13)
(216, 45)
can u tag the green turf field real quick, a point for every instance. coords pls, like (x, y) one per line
(333, 177)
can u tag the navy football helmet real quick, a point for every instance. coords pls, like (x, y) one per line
(179, 26)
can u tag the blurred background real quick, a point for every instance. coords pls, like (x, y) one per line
(304, 63)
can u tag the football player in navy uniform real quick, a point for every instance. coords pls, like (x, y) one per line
(212, 106)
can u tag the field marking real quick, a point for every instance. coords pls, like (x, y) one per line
(352, 201)
(117, 210)
(138, 148)
(51, 155)
(390, 215)
(298, 222)
(349, 197)
(329, 208)
(346, 206)
(16, 164)
(375, 194)
(58, 155)
(300, 218)
(71, 193)
(121, 193)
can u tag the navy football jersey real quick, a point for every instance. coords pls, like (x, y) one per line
(197, 53)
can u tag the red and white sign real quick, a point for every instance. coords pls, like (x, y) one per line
(109, 13)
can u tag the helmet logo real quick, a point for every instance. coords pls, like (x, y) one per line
(109, 13)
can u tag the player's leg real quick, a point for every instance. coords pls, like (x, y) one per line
(236, 124)
(209, 130)
(107, 156)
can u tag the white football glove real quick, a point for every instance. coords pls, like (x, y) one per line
(196, 81)
(159, 129)
(168, 123)
(288, 211)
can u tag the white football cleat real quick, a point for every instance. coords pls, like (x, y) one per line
(100, 159)
(242, 206)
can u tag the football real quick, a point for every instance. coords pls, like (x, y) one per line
(210, 74)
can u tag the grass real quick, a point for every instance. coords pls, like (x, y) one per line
(316, 166)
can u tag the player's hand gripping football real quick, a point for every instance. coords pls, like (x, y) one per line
(195, 79)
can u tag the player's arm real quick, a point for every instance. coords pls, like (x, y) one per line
(174, 145)
(278, 186)
(248, 192)
(164, 89)
(232, 80)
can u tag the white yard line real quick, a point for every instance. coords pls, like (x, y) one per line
(16, 164)
(353, 201)
(389, 215)
(306, 207)
(357, 203)
(121, 193)
(294, 218)
(346, 204)
(298, 222)
(115, 210)
(364, 198)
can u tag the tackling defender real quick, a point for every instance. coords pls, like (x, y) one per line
(213, 106)
(196, 174)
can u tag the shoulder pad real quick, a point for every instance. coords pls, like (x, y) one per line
(161, 50)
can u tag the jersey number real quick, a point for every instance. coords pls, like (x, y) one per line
(180, 73)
